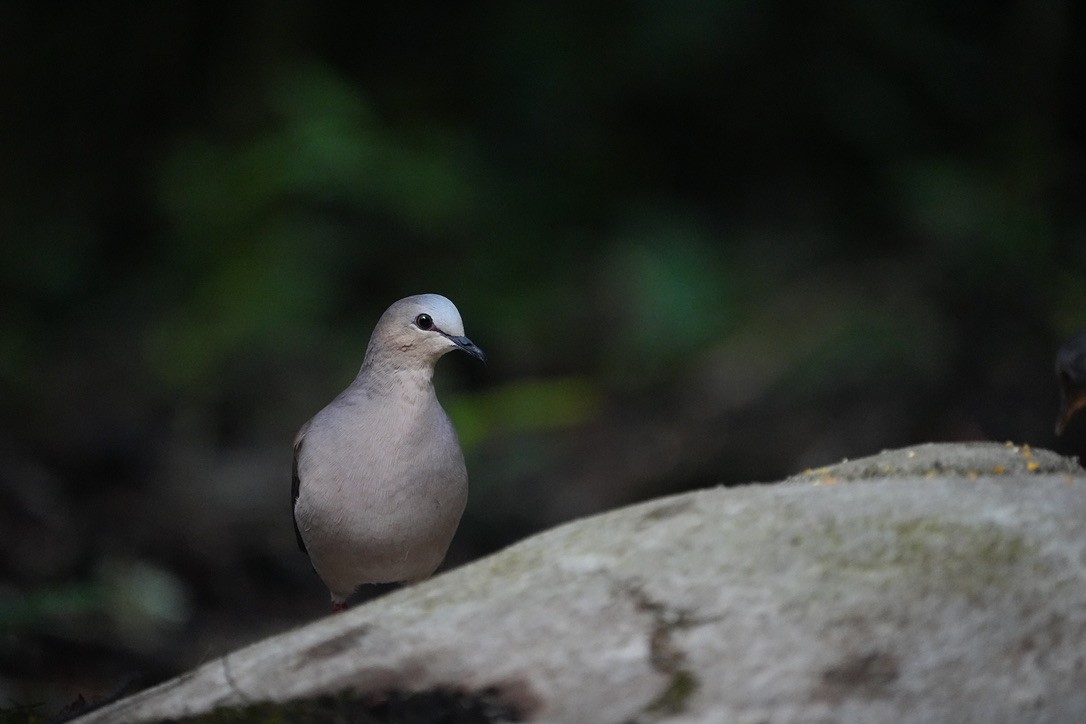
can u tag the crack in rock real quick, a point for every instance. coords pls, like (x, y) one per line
(665, 656)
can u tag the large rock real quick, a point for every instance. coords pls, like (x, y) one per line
(936, 583)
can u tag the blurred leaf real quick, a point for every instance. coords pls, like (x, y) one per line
(668, 294)
(523, 406)
(68, 600)
(136, 596)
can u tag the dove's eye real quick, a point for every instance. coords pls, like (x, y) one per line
(424, 322)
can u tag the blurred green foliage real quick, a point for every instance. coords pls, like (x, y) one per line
(523, 406)
(638, 177)
(248, 226)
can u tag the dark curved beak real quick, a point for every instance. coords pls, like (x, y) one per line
(468, 346)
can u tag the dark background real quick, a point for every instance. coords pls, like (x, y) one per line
(702, 242)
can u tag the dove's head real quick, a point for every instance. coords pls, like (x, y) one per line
(420, 330)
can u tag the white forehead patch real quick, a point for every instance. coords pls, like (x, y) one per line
(444, 313)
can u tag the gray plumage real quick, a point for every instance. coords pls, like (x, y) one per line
(379, 478)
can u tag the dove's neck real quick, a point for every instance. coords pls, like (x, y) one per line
(394, 374)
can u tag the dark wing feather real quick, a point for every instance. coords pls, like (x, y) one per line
(295, 484)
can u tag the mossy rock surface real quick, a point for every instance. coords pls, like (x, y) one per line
(934, 583)
(969, 460)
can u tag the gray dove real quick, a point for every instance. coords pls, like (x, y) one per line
(379, 477)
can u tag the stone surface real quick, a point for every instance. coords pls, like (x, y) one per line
(935, 583)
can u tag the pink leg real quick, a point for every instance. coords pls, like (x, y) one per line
(339, 606)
